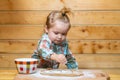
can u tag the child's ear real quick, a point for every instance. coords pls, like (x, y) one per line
(46, 29)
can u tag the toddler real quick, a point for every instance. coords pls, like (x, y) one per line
(53, 48)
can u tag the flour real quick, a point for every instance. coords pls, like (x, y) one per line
(53, 77)
(45, 74)
(88, 74)
(85, 74)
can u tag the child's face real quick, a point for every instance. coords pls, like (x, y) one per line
(58, 32)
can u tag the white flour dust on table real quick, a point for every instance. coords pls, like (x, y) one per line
(63, 74)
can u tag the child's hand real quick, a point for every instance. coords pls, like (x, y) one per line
(59, 58)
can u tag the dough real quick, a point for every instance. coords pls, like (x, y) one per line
(67, 73)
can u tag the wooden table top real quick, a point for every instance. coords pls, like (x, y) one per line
(10, 74)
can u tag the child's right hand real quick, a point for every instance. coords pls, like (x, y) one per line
(59, 58)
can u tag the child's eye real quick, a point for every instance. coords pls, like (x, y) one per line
(56, 32)
(64, 34)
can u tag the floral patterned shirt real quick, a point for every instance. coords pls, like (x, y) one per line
(46, 48)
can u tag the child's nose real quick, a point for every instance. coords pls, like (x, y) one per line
(59, 36)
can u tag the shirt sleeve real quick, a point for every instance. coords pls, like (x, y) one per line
(71, 61)
(44, 49)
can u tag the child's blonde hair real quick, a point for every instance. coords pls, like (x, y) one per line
(58, 15)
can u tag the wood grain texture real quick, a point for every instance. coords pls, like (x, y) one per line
(94, 37)
(78, 17)
(8, 59)
(53, 4)
(94, 46)
(90, 32)
(18, 46)
(84, 60)
(76, 46)
(10, 74)
(21, 32)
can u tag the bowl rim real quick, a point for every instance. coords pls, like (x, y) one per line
(26, 59)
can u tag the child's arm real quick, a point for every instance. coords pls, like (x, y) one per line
(35, 55)
(45, 50)
(47, 53)
(59, 58)
(71, 62)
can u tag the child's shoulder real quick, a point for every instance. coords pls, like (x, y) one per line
(45, 38)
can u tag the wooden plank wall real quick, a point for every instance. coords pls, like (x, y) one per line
(94, 37)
